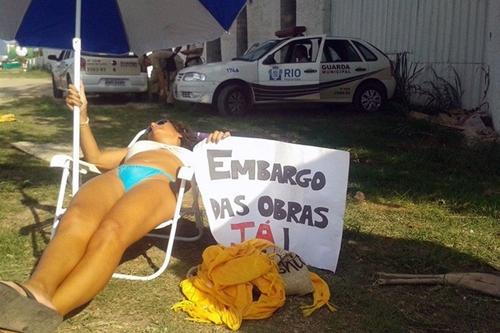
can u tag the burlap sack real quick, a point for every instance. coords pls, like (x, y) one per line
(293, 270)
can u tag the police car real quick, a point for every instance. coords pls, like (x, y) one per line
(100, 73)
(299, 68)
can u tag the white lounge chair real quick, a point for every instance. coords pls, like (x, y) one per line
(186, 174)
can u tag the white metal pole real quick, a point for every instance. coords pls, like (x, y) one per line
(77, 47)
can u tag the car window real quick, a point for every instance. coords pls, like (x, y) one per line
(339, 50)
(61, 56)
(257, 50)
(298, 51)
(367, 54)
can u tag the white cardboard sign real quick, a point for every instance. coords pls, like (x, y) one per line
(292, 195)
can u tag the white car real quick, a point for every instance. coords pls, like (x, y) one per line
(100, 73)
(304, 68)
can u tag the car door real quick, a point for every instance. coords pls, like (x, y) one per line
(342, 69)
(60, 69)
(291, 71)
(67, 68)
(373, 62)
(57, 69)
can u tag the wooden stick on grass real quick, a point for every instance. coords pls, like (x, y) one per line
(482, 282)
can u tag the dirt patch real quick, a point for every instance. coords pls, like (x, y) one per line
(12, 89)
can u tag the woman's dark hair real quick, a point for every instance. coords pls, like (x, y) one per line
(189, 138)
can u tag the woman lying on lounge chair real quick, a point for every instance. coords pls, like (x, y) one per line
(109, 213)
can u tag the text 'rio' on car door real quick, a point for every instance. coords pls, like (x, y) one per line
(291, 72)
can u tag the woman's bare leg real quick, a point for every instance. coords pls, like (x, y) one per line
(134, 215)
(79, 223)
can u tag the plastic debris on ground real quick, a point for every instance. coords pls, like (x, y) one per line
(7, 117)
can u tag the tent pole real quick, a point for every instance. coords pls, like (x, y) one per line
(77, 47)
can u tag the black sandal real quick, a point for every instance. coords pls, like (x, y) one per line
(19, 313)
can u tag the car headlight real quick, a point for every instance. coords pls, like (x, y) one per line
(194, 76)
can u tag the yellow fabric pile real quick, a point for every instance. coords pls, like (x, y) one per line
(7, 117)
(223, 290)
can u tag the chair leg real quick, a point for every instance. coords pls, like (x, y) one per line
(60, 198)
(163, 267)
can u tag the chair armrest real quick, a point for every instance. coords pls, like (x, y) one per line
(186, 173)
(61, 161)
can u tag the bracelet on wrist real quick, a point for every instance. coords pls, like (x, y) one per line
(85, 123)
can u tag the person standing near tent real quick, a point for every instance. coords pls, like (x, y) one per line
(107, 215)
(166, 65)
(171, 66)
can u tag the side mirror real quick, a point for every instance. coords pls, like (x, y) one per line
(269, 60)
(53, 57)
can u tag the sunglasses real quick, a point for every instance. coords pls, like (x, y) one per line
(159, 122)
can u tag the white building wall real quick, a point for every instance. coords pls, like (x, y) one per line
(442, 34)
(314, 15)
(263, 20)
(228, 43)
(492, 58)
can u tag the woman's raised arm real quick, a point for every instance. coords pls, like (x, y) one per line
(108, 159)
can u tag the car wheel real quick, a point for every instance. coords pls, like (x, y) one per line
(233, 100)
(55, 91)
(369, 97)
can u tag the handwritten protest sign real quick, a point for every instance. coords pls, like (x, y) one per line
(292, 195)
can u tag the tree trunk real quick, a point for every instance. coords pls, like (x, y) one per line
(214, 51)
(241, 33)
(288, 13)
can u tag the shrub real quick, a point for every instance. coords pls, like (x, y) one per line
(405, 74)
(440, 94)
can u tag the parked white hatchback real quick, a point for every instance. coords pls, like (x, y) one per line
(303, 68)
(100, 73)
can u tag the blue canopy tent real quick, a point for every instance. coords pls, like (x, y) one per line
(113, 26)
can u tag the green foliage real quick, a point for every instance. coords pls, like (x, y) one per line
(12, 54)
(442, 95)
(405, 73)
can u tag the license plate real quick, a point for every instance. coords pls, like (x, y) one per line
(114, 82)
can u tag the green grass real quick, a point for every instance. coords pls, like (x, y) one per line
(432, 206)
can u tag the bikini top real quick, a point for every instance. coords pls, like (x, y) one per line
(183, 154)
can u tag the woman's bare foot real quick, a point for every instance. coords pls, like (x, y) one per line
(39, 296)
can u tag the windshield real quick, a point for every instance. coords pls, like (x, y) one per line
(257, 50)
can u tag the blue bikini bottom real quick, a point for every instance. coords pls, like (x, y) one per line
(131, 175)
